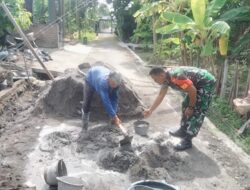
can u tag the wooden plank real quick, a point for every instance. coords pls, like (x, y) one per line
(9, 93)
(244, 127)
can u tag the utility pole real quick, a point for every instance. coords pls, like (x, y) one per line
(78, 20)
(52, 10)
(26, 41)
(61, 22)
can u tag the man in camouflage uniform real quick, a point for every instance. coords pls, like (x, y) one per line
(198, 85)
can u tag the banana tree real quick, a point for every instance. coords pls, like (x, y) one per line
(239, 21)
(202, 28)
(238, 17)
(151, 9)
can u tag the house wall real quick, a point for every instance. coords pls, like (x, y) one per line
(46, 36)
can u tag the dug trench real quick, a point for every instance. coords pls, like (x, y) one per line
(41, 124)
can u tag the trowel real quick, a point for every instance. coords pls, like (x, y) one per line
(127, 138)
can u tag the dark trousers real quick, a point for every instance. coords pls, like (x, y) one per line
(88, 92)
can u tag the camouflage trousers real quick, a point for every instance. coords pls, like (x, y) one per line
(203, 100)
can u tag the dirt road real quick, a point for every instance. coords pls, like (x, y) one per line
(31, 140)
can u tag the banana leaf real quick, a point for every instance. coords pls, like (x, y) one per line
(169, 29)
(208, 48)
(237, 14)
(172, 40)
(198, 9)
(220, 28)
(177, 18)
(214, 7)
(241, 44)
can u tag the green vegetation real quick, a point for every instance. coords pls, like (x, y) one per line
(80, 17)
(90, 36)
(210, 34)
(22, 16)
(123, 11)
(40, 12)
(228, 121)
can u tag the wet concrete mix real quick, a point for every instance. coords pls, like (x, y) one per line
(150, 157)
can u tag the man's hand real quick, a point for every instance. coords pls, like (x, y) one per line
(189, 111)
(147, 113)
(115, 120)
(156, 103)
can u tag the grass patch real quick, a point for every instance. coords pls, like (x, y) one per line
(146, 56)
(89, 35)
(228, 121)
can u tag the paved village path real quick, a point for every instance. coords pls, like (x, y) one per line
(214, 162)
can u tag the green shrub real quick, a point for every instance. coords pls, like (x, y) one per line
(90, 35)
(228, 121)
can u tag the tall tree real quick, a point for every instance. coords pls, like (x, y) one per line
(123, 11)
(29, 5)
(20, 14)
(152, 9)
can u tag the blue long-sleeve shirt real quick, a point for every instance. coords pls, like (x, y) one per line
(97, 77)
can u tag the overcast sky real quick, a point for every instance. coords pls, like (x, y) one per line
(104, 1)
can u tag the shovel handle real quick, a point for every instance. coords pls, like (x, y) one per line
(124, 131)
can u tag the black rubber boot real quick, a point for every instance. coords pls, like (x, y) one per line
(185, 143)
(85, 120)
(180, 133)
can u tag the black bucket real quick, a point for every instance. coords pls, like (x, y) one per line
(152, 185)
(141, 127)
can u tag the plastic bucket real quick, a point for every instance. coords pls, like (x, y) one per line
(141, 127)
(57, 169)
(70, 183)
(152, 185)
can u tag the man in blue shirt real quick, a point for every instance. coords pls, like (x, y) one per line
(101, 80)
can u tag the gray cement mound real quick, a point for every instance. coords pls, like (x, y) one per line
(55, 140)
(66, 92)
(116, 160)
(97, 138)
(150, 160)
(157, 161)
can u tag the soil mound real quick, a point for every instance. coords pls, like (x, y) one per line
(65, 95)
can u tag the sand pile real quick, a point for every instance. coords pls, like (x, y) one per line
(65, 95)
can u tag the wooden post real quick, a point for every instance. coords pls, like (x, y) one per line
(26, 41)
(78, 20)
(248, 84)
(61, 23)
(224, 79)
(52, 11)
